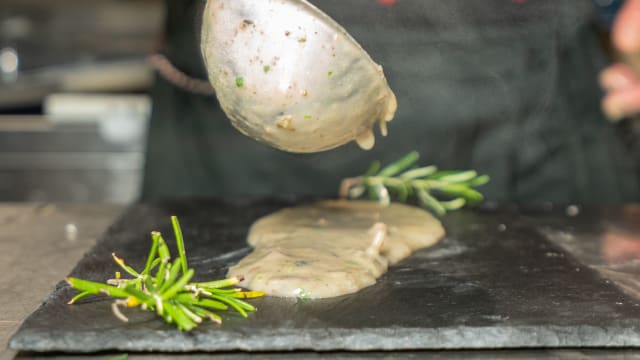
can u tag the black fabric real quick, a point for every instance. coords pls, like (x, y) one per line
(505, 87)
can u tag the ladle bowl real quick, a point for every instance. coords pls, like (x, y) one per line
(288, 75)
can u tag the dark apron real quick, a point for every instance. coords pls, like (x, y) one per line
(508, 88)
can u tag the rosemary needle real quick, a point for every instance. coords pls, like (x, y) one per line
(438, 191)
(169, 291)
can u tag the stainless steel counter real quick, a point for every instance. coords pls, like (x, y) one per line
(39, 245)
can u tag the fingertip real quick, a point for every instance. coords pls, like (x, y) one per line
(622, 103)
(607, 80)
(611, 110)
(626, 30)
(617, 76)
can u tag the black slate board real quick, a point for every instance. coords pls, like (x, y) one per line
(494, 282)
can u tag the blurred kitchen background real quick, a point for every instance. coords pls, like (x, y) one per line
(74, 96)
(74, 103)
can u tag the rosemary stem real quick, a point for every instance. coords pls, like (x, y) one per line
(219, 283)
(152, 253)
(179, 243)
(439, 191)
(168, 291)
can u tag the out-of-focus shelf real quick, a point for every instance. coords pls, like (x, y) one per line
(32, 88)
(75, 46)
(86, 148)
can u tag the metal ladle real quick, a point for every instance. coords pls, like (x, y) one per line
(288, 75)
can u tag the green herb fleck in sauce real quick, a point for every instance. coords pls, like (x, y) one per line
(302, 294)
(239, 81)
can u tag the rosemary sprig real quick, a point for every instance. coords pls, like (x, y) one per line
(169, 291)
(438, 191)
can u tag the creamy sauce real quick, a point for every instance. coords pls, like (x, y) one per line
(333, 247)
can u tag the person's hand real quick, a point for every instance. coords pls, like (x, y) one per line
(619, 247)
(621, 243)
(621, 81)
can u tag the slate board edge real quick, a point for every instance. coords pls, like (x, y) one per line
(618, 334)
(337, 339)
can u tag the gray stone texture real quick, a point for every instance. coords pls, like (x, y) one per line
(494, 282)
